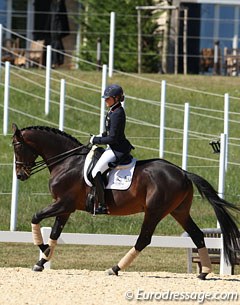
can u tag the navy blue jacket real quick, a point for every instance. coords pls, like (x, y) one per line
(114, 134)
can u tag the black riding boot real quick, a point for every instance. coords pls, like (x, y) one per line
(102, 209)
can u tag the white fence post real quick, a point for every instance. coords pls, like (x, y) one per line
(221, 177)
(104, 84)
(14, 201)
(1, 52)
(224, 267)
(48, 79)
(111, 45)
(6, 97)
(226, 116)
(62, 105)
(162, 119)
(185, 137)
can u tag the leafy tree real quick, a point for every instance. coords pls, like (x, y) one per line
(95, 24)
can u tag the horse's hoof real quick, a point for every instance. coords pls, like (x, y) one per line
(202, 276)
(37, 268)
(111, 272)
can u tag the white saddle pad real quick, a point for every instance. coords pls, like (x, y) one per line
(120, 178)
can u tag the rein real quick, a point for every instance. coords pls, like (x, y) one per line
(42, 164)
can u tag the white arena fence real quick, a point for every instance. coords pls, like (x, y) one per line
(115, 240)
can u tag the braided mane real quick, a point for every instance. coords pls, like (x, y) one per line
(53, 130)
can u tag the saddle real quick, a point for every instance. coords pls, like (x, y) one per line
(90, 162)
(95, 155)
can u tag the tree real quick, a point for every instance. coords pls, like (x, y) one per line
(95, 24)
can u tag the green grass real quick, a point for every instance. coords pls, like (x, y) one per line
(29, 110)
(99, 258)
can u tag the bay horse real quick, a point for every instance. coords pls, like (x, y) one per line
(158, 188)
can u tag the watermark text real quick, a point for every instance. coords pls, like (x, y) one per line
(199, 297)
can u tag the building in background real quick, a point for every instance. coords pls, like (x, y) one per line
(188, 42)
(3, 15)
(209, 23)
(36, 20)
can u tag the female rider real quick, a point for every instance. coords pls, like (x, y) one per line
(118, 147)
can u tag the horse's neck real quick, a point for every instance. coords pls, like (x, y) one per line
(48, 145)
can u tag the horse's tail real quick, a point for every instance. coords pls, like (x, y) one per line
(222, 208)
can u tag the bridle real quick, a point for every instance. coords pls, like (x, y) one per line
(26, 166)
(31, 168)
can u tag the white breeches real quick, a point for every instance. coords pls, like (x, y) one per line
(102, 164)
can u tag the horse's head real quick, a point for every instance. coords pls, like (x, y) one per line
(25, 155)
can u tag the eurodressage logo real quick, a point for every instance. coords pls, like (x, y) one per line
(122, 180)
(200, 297)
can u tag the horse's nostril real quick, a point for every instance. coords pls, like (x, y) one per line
(19, 176)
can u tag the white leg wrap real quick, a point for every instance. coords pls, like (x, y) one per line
(37, 235)
(48, 253)
(128, 258)
(205, 260)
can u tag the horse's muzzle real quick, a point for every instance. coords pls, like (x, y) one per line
(23, 175)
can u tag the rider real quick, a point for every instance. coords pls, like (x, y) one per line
(118, 147)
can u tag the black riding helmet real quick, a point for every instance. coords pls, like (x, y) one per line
(113, 91)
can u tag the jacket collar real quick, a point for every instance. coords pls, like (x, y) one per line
(115, 106)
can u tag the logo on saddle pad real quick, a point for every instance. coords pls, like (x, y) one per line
(118, 178)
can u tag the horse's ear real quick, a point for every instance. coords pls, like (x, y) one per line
(17, 132)
(14, 127)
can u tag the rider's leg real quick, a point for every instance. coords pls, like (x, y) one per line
(100, 167)
(99, 184)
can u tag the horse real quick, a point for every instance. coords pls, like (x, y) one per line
(158, 188)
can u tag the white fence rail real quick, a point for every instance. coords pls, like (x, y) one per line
(111, 240)
(108, 239)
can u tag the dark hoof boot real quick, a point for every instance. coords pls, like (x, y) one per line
(101, 211)
(113, 271)
(202, 276)
(40, 264)
(37, 268)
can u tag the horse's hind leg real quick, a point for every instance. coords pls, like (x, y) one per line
(181, 214)
(197, 237)
(150, 222)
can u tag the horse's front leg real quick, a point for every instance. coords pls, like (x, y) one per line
(47, 249)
